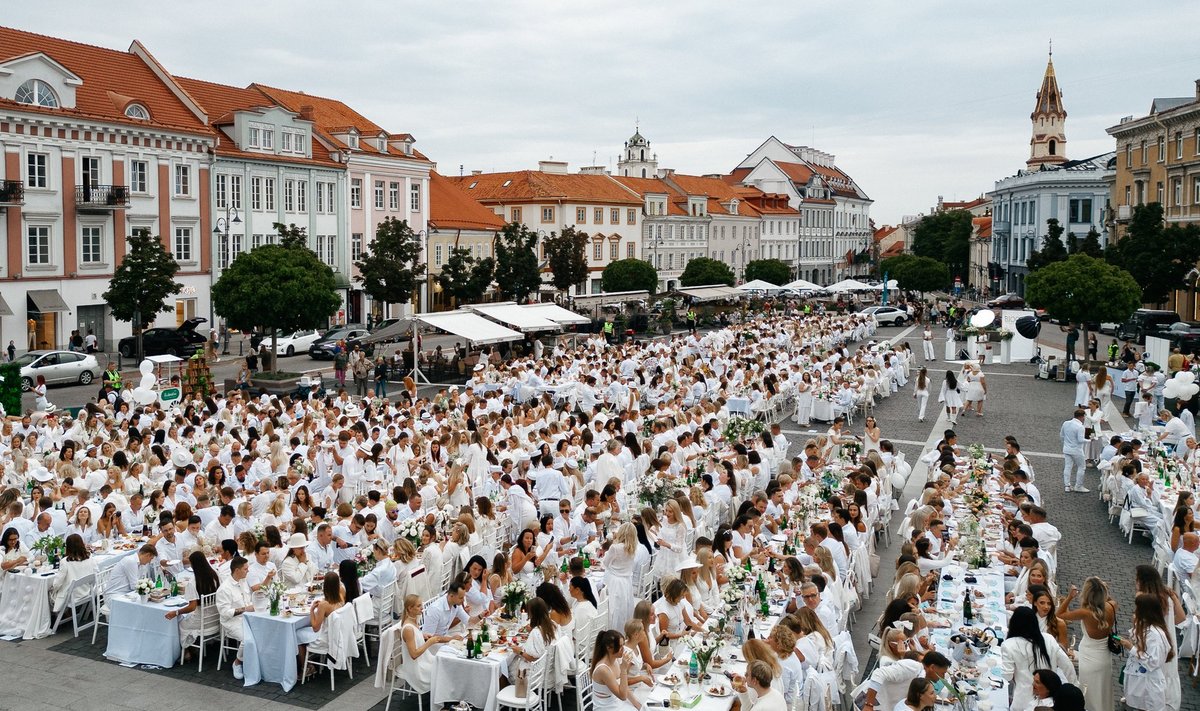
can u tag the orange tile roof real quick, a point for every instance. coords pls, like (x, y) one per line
(883, 232)
(331, 114)
(534, 186)
(982, 226)
(220, 102)
(895, 249)
(111, 78)
(966, 204)
(451, 208)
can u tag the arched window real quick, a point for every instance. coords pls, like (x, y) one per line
(643, 154)
(37, 93)
(643, 172)
(137, 111)
(1053, 147)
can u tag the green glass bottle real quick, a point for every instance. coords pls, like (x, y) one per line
(479, 646)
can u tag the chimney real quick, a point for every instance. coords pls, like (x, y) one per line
(593, 170)
(1198, 89)
(476, 172)
(306, 112)
(553, 166)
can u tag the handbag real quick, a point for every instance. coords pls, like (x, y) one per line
(1114, 646)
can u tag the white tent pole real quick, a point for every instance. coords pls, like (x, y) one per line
(417, 376)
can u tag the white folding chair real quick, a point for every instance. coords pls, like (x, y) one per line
(210, 626)
(535, 692)
(583, 691)
(77, 608)
(398, 684)
(384, 605)
(328, 650)
(364, 612)
(100, 599)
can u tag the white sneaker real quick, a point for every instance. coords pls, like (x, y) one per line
(237, 671)
(1083, 490)
(1068, 489)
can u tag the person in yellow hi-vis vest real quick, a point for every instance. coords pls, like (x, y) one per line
(608, 331)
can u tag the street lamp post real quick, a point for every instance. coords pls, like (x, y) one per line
(425, 292)
(221, 229)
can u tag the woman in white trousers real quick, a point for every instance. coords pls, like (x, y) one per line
(921, 393)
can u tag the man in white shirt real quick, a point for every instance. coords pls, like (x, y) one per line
(349, 537)
(412, 509)
(1073, 442)
(810, 594)
(549, 486)
(130, 569)
(1175, 430)
(170, 554)
(888, 684)
(1185, 560)
(261, 569)
(321, 550)
(43, 526)
(222, 528)
(755, 691)
(446, 612)
(233, 600)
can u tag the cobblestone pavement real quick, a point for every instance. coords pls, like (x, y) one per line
(61, 673)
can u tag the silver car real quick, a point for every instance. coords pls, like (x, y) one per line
(57, 367)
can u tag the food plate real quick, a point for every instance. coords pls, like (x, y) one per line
(671, 680)
(718, 692)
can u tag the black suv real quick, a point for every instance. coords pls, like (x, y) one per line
(1145, 322)
(182, 341)
(322, 348)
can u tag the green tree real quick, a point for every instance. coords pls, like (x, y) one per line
(464, 277)
(1091, 245)
(772, 271)
(1083, 290)
(566, 255)
(390, 270)
(1158, 257)
(1053, 249)
(703, 271)
(916, 273)
(629, 275)
(517, 272)
(277, 287)
(946, 237)
(142, 282)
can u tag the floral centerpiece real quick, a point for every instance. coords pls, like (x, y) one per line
(739, 429)
(260, 532)
(737, 576)
(851, 450)
(977, 501)
(647, 430)
(513, 596)
(365, 563)
(144, 587)
(410, 529)
(50, 546)
(149, 517)
(975, 451)
(654, 491)
(274, 591)
(704, 647)
(829, 484)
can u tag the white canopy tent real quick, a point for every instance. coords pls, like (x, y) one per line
(557, 314)
(802, 285)
(713, 292)
(613, 297)
(758, 285)
(517, 317)
(473, 327)
(849, 285)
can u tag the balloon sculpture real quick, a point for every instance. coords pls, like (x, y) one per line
(144, 394)
(1182, 387)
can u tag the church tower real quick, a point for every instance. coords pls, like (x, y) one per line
(1048, 145)
(637, 161)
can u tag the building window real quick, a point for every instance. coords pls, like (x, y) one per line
(630, 250)
(356, 193)
(235, 192)
(615, 216)
(356, 245)
(1177, 198)
(89, 245)
(614, 250)
(221, 194)
(327, 248)
(183, 180)
(394, 196)
(597, 251)
(516, 214)
(320, 198)
(301, 196)
(36, 93)
(437, 255)
(1128, 155)
(38, 244)
(183, 244)
(329, 190)
(598, 215)
(289, 194)
(1196, 142)
(1158, 193)
(1195, 191)
(547, 214)
(285, 142)
(414, 197)
(138, 176)
(378, 194)
(253, 137)
(268, 138)
(631, 216)
(1080, 210)
(1162, 148)
(581, 215)
(269, 194)
(1128, 190)
(255, 193)
(1179, 144)
(1143, 152)
(256, 241)
(37, 174)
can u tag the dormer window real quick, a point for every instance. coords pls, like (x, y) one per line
(36, 92)
(137, 112)
(352, 140)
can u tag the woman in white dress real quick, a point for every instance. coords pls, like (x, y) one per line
(84, 526)
(951, 397)
(77, 564)
(432, 559)
(1147, 580)
(975, 388)
(618, 572)
(671, 539)
(804, 398)
(418, 661)
(15, 554)
(921, 393)
(542, 631)
(1150, 652)
(1024, 651)
(1098, 613)
(203, 581)
(610, 675)
(1102, 387)
(1083, 387)
(871, 436)
(39, 392)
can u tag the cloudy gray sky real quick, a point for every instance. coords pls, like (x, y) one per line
(915, 99)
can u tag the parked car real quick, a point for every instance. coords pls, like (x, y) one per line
(887, 315)
(289, 344)
(1007, 301)
(57, 367)
(182, 341)
(322, 348)
(1184, 335)
(1143, 322)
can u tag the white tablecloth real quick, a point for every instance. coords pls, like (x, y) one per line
(989, 612)
(455, 678)
(269, 652)
(822, 410)
(25, 605)
(738, 405)
(140, 633)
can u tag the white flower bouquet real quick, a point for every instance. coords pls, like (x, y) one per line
(737, 576)
(260, 532)
(513, 596)
(144, 586)
(653, 491)
(411, 529)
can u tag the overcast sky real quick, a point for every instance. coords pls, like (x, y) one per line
(915, 99)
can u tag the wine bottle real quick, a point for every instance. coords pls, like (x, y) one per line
(470, 646)
(968, 613)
